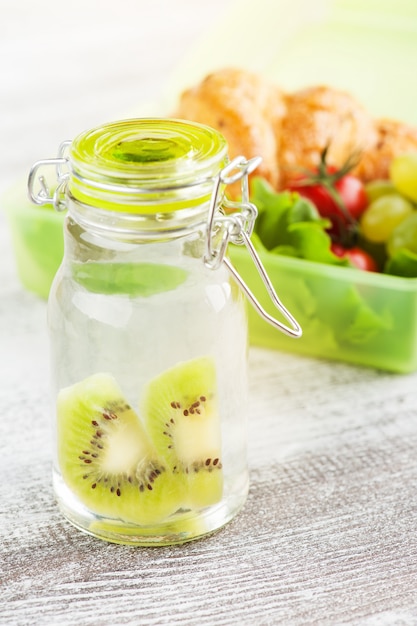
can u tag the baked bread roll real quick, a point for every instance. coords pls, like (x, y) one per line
(320, 117)
(393, 138)
(246, 109)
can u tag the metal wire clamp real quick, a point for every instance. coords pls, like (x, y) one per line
(237, 228)
(44, 195)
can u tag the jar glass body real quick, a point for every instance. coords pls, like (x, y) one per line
(136, 310)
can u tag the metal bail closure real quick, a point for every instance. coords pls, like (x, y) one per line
(237, 228)
(44, 195)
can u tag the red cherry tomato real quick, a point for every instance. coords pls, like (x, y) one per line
(338, 195)
(343, 203)
(357, 257)
(353, 194)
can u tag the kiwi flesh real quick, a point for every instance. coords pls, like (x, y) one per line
(182, 418)
(107, 458)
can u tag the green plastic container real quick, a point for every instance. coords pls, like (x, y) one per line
(346, 314)
(37, 234)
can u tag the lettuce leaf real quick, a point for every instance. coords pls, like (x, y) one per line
(290, 225)
(402, 263)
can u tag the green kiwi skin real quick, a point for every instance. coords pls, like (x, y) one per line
(182, 418)
(106, 457)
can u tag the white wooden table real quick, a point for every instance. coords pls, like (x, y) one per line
(329, 532)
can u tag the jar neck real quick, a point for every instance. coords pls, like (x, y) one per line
(139, 226)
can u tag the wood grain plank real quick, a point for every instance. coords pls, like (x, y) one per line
(327, 536)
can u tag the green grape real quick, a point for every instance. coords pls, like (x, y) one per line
(383, 215)
(404, 236)
(403, 173)
(377, 188)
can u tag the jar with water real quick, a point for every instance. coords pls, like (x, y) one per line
(148, 332)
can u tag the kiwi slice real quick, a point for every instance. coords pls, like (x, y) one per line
(181, 415)
(106, 457)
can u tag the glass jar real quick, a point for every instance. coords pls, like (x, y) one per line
(148, 335)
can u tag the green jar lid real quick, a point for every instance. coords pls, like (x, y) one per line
(146, 166)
